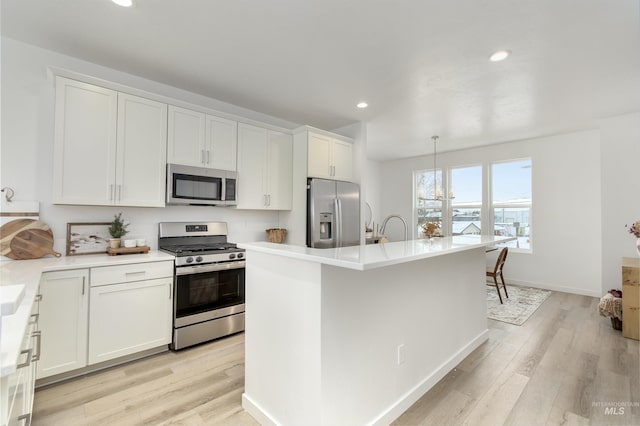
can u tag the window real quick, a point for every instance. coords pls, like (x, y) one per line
(511, 201)
(427, 208)
(466, 207)
(498, 195)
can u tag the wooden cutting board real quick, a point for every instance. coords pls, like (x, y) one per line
(32, 244)
(13, 228)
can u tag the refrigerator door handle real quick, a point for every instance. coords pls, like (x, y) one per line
(338, 207)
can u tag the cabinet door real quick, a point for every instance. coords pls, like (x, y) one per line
(319, 161)
(279, 171)
(221, 143)
(252, 153)
(342, 160)
(141, 152)
(63, 321)
(129, 318)
(85, 143)
(186, 137)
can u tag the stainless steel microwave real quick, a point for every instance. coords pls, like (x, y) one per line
(201, 186)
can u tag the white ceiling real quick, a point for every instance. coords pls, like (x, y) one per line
(422, 65)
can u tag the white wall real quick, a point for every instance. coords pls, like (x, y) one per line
(27, 145)
(620, 161)
(371, 183)
(566, 216)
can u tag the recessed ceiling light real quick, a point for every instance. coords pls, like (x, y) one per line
(499, 55)
(362, 105)
(123, 3)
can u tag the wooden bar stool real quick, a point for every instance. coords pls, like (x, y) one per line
(497, 271)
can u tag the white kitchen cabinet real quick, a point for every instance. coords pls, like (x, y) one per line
(128, 317)
(141, 155)
(201, 140)
(109, 148)
(265, 168)
(17, 389)
(329, 157)
(85, 143)
(63, 321)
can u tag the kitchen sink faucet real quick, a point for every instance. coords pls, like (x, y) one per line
(404, 222)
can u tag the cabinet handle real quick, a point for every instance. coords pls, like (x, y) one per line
(26, 418)
(119, 193)
(208, 152)
(202, 156)
(28, 360)
(169, 291)
(38, 297)
(111, 193)
(264, 201)
(38, 336)
(34, 319)
(83, 279)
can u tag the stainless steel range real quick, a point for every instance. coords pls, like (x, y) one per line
(208, 284)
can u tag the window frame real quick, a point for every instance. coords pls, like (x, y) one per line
(487, 206)
(493, 205)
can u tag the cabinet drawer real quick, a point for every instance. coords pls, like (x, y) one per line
(105, 275)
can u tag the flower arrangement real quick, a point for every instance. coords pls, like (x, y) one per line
(431, 229)
(634, 228)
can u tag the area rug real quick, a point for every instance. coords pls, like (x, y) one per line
(522, 302)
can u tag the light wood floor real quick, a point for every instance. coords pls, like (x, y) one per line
(564, 366)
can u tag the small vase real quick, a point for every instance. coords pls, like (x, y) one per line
(114, 243)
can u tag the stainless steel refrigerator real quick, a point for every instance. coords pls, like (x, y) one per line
(333, 213)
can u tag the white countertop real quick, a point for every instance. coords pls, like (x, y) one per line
(27, 273)
(373, 256)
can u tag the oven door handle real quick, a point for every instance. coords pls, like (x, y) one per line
(213, 267)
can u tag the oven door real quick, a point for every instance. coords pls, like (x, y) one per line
(205, 292)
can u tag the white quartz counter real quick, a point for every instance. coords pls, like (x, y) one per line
(373, 256)
(27, 273)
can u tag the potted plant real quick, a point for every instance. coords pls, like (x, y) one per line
(117, 230)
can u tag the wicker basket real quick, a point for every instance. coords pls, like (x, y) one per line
(276, 235)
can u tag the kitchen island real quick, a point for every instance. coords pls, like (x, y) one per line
(355, 335)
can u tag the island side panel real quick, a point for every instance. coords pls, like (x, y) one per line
(282, 340)
(435, 308)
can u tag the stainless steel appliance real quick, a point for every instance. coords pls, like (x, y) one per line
(201, 186)
(209, 287)
(333, 213)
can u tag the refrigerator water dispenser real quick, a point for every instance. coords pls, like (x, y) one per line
(325, 226)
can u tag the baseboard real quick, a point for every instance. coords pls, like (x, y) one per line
(256, 411)
(553, 287)
(408, 399)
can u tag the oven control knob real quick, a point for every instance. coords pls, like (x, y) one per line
(199, 259)
(240, 255)
(232, 256)
(189, 259)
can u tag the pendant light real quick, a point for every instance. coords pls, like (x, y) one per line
(436, 196)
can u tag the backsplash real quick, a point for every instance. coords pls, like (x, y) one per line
(244, 225)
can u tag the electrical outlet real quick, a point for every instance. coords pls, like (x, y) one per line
(401, 354)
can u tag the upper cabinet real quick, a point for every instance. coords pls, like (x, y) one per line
(265, 168)
(110, 147)
(329, 157)
(201, 140)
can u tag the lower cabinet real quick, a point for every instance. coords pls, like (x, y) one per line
(129, 317)
(88, 316)
(64, 312)
(16, 389)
